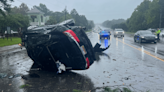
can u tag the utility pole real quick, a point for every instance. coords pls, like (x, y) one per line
(65, 12)
(160, 18)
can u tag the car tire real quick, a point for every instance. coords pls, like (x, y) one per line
(155, 42)
(134, 40)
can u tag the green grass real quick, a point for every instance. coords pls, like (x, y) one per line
(5, 42)
(130, 32)
(25, 86)
(75, 90)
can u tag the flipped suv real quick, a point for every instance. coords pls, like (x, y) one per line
(60, 47)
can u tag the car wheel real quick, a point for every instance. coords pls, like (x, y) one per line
(134, 40)
(155, 42)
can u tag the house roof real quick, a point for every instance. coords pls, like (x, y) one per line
(35, 10)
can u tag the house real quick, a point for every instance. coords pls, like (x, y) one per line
(36, 17)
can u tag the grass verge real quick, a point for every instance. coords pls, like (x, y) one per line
(5, 42)
(75, 90)
(25, 86)
(130, 32)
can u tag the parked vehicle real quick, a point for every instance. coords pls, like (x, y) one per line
(60, 47)
(144, 36)
(118, 32)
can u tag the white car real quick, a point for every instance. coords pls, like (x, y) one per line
(118, 32)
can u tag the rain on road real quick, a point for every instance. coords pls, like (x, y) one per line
(125, 64)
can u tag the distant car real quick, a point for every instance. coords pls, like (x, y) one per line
(144, 36)
(118, 32)
(104, 34)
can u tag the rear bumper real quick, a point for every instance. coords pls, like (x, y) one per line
(104, 36)
(148, 40)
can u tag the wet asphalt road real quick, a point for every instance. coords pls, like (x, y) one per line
(138, 67)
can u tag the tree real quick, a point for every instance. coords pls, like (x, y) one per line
(138, 19)
(74, 12)
(14, 21)
(80, 20)
(5, 7)
(23, 8)
(112, 22)
(44, 9)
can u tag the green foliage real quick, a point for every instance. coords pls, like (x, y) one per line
(44, 9)
(146, 15)
(25, 86)
(5, 42)
(122, 25)
(138, 19)
(75, 90)
(22, 9)
(80, 20)
(5, 7)
(111, 23)
(14, 21)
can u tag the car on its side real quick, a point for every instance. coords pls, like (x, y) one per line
(104, 34)
(119, 32)
(144, 36)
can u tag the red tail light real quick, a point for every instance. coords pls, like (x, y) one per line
(73, 35)
(88, 63)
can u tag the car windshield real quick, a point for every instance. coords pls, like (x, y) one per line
(145, 32)
(103, 32)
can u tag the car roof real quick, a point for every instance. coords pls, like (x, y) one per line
(142, 30)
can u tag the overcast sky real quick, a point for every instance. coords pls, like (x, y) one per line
(96, 10)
